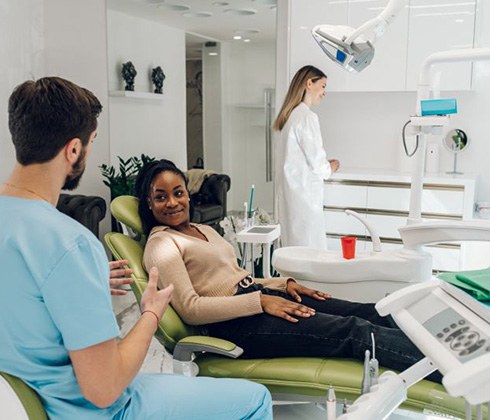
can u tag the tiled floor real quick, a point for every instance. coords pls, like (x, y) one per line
(158, 360)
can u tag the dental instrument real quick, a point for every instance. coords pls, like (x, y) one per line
(331, 404)
(373, 365)
(352, 48)
(250, 210)
(366, 384)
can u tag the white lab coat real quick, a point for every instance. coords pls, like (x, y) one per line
(301, 165)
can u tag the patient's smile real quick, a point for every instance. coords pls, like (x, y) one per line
(170, 199)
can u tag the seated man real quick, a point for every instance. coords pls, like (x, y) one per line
(58, 332)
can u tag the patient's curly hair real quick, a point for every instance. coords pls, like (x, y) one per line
(143, 184)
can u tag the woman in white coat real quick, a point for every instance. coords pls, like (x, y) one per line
(301, 163)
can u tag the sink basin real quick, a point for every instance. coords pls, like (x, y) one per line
(368, 277)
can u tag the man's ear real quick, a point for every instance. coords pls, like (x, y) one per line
(73, 149)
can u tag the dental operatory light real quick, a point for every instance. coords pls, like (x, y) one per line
(352, 48)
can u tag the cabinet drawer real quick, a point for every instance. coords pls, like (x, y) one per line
(434, 201)
(345, 196)
(338, 222)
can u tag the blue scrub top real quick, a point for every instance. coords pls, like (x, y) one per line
(54, 297)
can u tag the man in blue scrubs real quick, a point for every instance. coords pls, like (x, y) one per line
(57, 329)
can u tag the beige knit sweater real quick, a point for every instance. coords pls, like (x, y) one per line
(205, 275)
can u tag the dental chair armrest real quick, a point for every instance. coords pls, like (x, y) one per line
(197, 343)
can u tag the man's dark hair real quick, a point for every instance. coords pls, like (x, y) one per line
(142, 188)
(45, 114)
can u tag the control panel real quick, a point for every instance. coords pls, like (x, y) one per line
(464, 340)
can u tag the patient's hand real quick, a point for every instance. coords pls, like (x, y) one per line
(295, 290)
(118, 276)
(283, 308)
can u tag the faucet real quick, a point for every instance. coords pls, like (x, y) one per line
(372, 233)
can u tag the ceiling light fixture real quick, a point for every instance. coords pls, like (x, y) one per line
(246, 40)
(175, 7)
(237, 37)
(197, 14)
(241, 12)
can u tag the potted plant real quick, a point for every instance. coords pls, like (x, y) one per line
(121, 181)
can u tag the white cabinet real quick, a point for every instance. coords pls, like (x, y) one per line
(383, 200)
(420, 29)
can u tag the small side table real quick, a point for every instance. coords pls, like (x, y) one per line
(264, 235)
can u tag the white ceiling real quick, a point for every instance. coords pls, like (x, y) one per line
(254, 20)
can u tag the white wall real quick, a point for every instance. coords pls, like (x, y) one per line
(363, 129)
(76, 49)
(155, 128)
(251, 69)
(22, 58)
(212, 108)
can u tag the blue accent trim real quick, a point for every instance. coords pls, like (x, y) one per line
(438, 107)
(340, 56)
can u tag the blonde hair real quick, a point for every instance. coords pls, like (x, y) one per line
(296, 93)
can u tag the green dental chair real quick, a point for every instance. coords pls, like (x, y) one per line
(288, 379)
(18, 401)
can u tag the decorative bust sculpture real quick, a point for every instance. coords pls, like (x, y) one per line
(157, 77)
(128, 73)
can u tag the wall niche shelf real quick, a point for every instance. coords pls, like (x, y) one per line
(136, 95)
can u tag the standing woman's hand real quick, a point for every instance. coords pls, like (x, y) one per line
(334, 164)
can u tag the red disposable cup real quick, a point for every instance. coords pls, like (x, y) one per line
(348, 247)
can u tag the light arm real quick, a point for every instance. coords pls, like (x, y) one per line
(379, 23)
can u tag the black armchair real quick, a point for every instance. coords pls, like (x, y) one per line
(209, 203)
(88, 210)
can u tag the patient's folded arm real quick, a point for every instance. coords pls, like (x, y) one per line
(197, 343)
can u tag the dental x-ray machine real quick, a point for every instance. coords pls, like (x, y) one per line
(352, 48)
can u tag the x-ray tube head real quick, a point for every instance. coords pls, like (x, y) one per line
(352, 48)
(331, 39)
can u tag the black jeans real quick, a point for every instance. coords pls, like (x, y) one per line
(339, 329)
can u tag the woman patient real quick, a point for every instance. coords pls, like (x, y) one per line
(275, 317)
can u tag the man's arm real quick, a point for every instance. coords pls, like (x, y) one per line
(105, 370)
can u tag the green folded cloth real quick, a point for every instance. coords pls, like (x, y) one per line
(476, 282)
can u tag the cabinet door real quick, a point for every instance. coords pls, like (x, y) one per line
(390, 58)
(440, 25)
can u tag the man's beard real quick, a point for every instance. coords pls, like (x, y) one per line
(73, 178)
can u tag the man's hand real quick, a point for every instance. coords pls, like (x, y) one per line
(153, 299)
(283, 308)
(118, 276)
(334, 164)
(295, 290)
